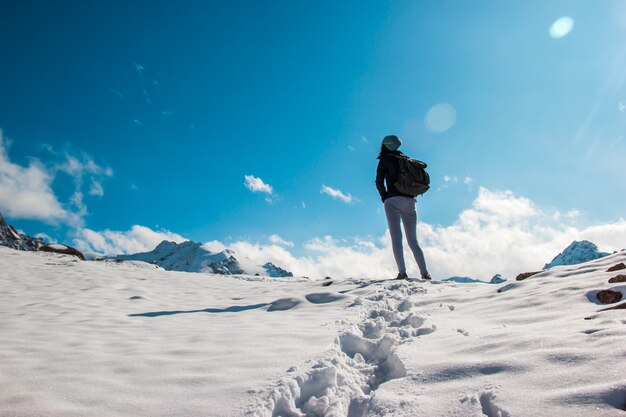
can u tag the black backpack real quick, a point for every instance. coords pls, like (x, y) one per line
(412, 176)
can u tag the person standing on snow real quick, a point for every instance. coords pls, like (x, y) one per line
(399, 207)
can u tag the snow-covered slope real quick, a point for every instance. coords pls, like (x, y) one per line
(127, 338)
(576, 253)
(194, 257)
(13, 239)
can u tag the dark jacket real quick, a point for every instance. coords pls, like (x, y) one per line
(388, 168)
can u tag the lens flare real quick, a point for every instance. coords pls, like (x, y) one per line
(440, 118)
(561, 27)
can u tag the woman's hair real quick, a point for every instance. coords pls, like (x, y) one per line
(383, 151)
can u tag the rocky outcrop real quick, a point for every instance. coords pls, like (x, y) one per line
(525, 275)
(63, 249)
(616, 267)
(609, 296)
(617, 278)
(13, 239)
(276, 271)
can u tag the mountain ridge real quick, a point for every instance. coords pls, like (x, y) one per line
(190, 256)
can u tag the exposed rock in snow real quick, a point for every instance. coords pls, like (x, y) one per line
(609, 297)
(577, 252)
(194, 257)
(616, 267)
(524, 275)
(617, 278)
(63, 249)
(13, 239)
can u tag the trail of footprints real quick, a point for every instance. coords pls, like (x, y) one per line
(363, 357)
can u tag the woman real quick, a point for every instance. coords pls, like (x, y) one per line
(399, 207)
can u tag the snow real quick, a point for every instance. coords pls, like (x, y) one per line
(129, 338)
(57, 246)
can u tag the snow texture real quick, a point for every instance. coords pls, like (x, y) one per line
(129, 338)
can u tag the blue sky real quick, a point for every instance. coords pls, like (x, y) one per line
(173, 104)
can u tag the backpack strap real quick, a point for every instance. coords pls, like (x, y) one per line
(403, 156)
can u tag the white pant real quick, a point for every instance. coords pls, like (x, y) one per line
(403, 209)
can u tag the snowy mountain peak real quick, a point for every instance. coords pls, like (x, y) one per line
(276, 271)
(13, 239)
(188, 256)
(191, 256)
(576, 253)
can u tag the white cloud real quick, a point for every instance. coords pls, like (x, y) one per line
(448, 178)
(96, 188)
(277, 240)
(47, 238)
(256, 185)
(111, 242)
(338, 194)
(80, 169)
(214, 246)
(468, 180)
(26, 192)
(352, 148)
(500, 233)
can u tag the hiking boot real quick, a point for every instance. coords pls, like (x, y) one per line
(402, 275)
(426, 276)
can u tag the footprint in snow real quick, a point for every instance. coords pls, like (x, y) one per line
(489, 408)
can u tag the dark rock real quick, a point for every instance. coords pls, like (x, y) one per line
(618, 278)
(63, 249)
(525, 275)
(136, 297)
(327, 283)
(616, 267)
(15, 240)
(609, 296)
